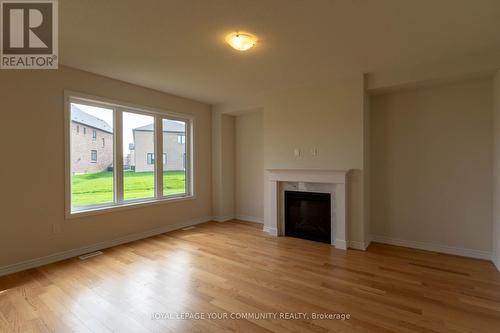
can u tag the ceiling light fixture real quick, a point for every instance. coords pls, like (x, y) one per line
(240, 41)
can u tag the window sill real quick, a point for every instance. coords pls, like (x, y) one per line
(125, 206)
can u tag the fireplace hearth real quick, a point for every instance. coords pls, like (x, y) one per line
(308, 215)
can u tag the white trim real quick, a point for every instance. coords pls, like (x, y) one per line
(497, 264)
(359, 245)
(270, 230)
(458, 251)
(67, 154)
(223, 218)
(340, 244)
(249, 218)
(158, 136)
(496, 260)
(87, 98)
(128, 205)
(117, 160)
(32, 263)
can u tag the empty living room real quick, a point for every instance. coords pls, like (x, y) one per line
(250, 166)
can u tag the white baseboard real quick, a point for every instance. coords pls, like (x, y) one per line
(270, 230)
(32, 263)
(478, 254)
(250, 218)
(222, 218)
(359, 245)
(496, 261)
(340, 244)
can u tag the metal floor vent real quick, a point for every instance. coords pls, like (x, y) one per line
(90, 255)
(189, 228)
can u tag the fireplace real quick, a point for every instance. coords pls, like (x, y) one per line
(333, 182)
(308, 215)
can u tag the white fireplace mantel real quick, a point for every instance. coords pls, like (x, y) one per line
(338, 178)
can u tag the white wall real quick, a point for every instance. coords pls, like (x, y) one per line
(366, 171)
(223, 170)
(249, 174)
(32, 167)
(431, 165)
(496, 170)
(329, 117)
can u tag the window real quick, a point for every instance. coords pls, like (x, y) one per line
(91, 183)
(111, 177)
(84, 130)
(151, 158)
(174, 169)
(77, 129)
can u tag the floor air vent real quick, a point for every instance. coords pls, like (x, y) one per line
(90, 255)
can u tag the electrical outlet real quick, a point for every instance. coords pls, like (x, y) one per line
(297, 152)
(314, 152)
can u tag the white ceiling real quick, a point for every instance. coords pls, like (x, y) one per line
(178, 46)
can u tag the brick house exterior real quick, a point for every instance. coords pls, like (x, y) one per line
(174, 147)
(91, 143)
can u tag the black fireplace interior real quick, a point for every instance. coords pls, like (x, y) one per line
(307, 216)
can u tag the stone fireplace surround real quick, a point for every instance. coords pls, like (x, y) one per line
(277, 181)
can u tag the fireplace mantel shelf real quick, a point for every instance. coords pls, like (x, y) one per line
(306, 170)
(307, 175)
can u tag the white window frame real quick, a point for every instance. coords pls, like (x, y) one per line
(92, 155)
(118, 108)
(152, 159)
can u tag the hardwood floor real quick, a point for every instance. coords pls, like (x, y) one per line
(234, 268)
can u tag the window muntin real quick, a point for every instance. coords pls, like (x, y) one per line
(174, 167)
(116, 192)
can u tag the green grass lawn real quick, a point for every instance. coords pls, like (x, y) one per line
(97, 188)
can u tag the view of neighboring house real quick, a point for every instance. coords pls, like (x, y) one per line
(142, 155)
(91, 143)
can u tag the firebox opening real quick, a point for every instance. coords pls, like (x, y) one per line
(308, 216)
